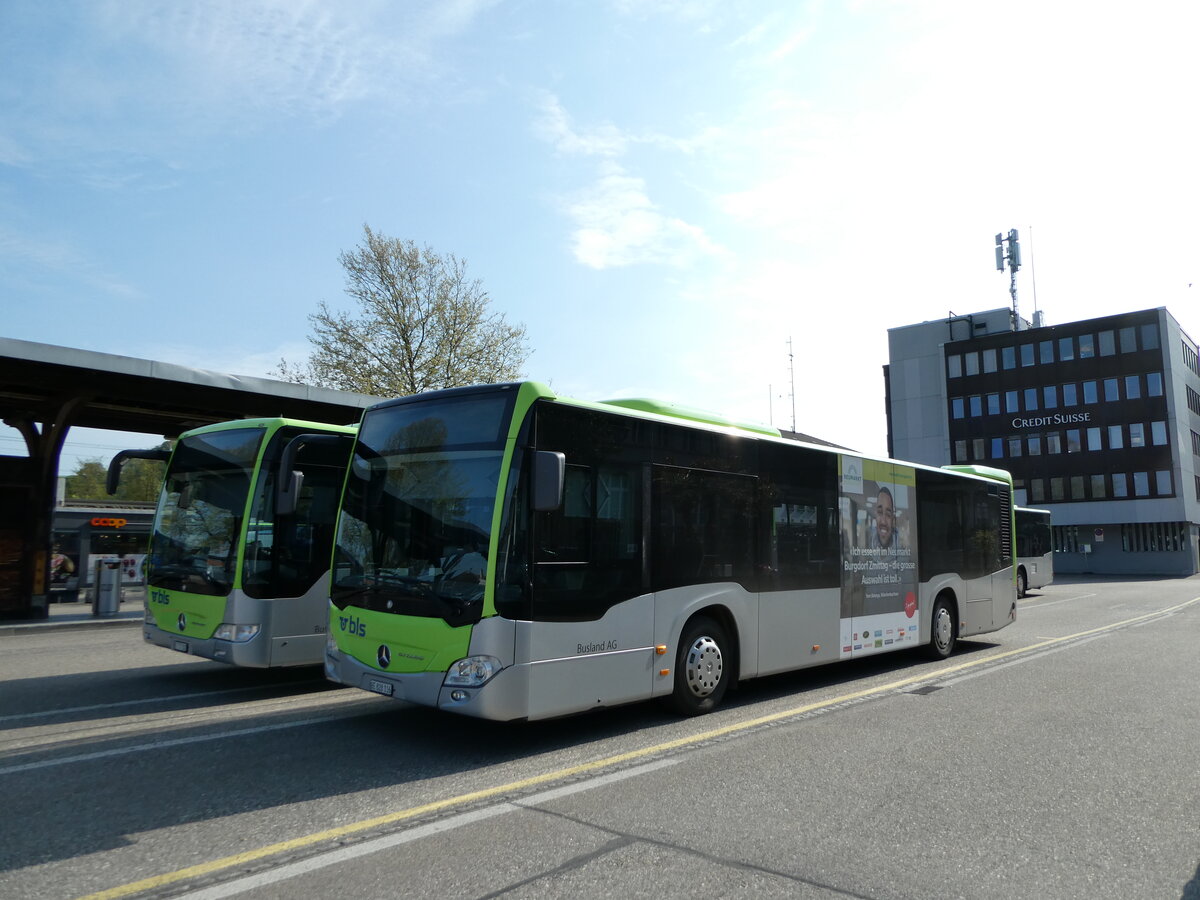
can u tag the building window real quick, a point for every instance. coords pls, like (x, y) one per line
(1196, 443)
(1074, 445)
(1070, 394)
(1054, 442)
(1031, 399)
(957, 410)
(1066, 349)
(1050, 396)
(954, 366)
(1158, 434)
(989, 360)
(960, 451)
(1141, 484)
(1115, 437)
(1120, 484)
(971, 361)
(997, 448)
(1098, 487)
(1046, 351)
(1198, 487)
(1108, 345)
(1014, 447)
(1027, 354)
(1112, 390)
(1034, 443)
(1089, 392)
(993, 404)
(1189, 357)
(1037, 490)
(1008, 357)
(1066, 538)
(1155, 537)
(1150, 336)
(1162, 483)
(1133, 387)
(1154, 384)
(1137, 434)
(1056, 488)
(1128, 339)
(1093, 439)
(977, 446)
(976, 406)
(1077, 488)
(1193, 401)
(1087, 346)
(1012, 401)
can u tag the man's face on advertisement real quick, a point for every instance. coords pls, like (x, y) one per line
(885, 518)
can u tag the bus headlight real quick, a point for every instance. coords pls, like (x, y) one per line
(238, 634)
(472, 671)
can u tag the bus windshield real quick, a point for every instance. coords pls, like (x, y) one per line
(196, 529)
(417, 515)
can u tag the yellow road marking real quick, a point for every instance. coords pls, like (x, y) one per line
(308, 840)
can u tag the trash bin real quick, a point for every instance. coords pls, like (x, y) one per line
(106, 601)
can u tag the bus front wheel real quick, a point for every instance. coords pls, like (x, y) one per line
(701, 668)
(943, 629)
(1022, 582)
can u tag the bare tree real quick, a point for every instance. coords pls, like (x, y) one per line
(421, 325)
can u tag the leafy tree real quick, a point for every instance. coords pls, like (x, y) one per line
(141, 479)
(421, 325)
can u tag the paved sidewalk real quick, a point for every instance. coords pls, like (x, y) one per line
(69, 616)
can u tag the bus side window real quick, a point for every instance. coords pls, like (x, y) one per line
(588, 553)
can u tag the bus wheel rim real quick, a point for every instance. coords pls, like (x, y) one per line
(705, 666)
(941, 628)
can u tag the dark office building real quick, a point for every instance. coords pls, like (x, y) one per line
(1098, 421)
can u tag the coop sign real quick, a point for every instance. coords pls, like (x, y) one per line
(99, 522)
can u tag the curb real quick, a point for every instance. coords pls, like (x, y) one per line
(47, 627)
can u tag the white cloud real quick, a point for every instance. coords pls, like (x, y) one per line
(616, 224)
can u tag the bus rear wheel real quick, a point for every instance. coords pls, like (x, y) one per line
(943, 629)
(701, 668)
(1022, 582)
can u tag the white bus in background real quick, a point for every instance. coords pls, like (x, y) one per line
(1035, 550)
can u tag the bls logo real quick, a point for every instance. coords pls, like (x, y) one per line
(353, 625)
(160, 597)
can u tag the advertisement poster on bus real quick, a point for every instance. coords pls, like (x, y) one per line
(879, 556)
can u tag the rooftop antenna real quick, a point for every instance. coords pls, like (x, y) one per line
(792, 380)
(1033, 273)
(1013, 258)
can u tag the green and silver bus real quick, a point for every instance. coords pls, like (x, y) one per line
(238, 564)
(508, 553)
(1035, 550)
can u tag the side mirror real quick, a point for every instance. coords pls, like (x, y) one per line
(289, 479)
(289, 491)
(549, 472)
(113, 477)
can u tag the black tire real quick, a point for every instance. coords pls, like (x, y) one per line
(702, 668)
(1022, 583)
(943, 630)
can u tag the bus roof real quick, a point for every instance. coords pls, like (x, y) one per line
(271, 422)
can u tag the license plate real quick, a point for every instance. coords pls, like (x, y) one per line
(181, 646)
(381, 687)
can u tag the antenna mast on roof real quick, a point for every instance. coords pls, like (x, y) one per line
(1013, 258)
(792, 381)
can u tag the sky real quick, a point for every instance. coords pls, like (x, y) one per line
(719, 203)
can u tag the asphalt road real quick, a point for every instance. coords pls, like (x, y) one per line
(1056, 758)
